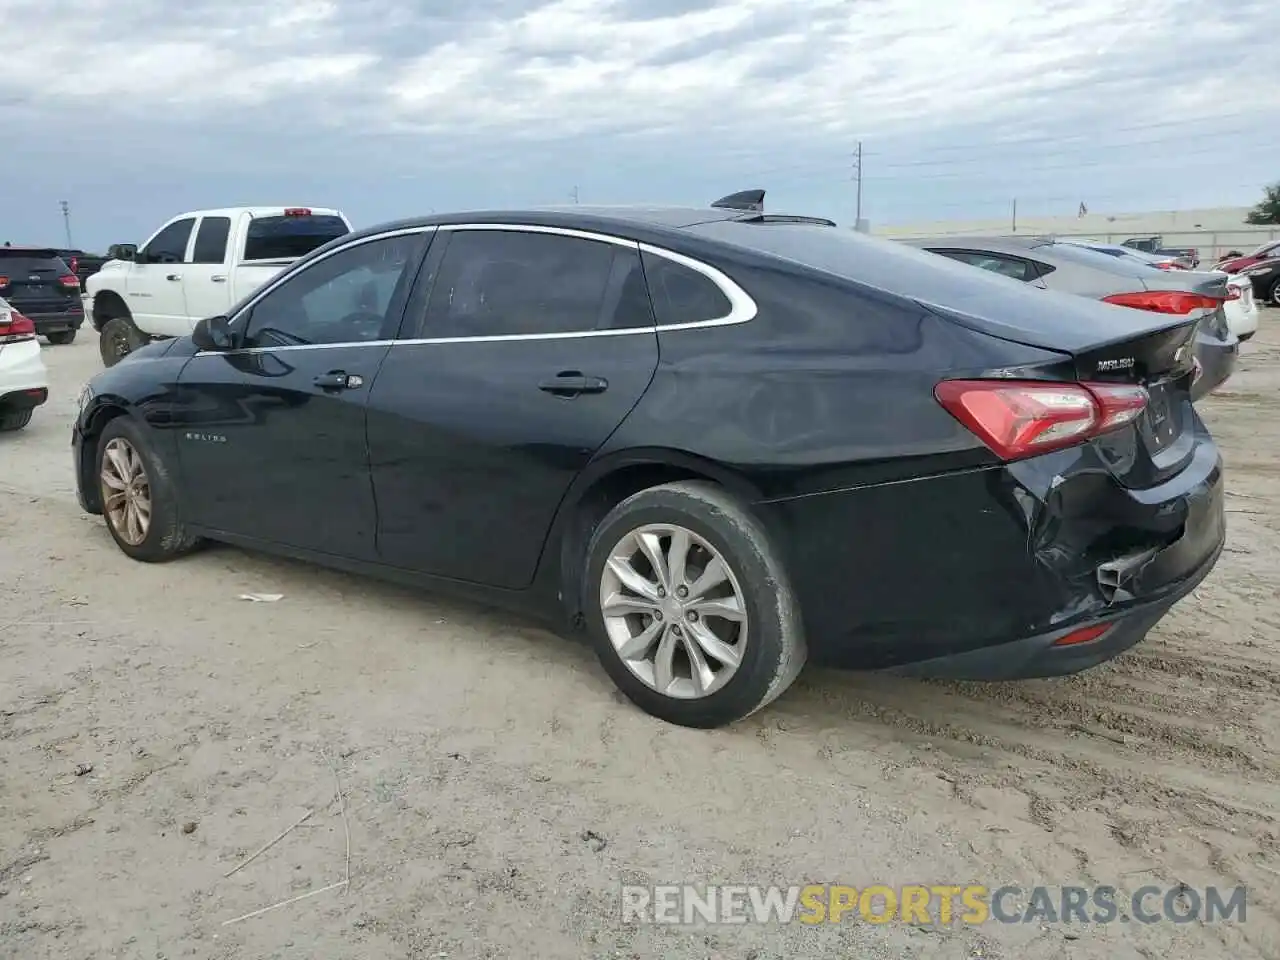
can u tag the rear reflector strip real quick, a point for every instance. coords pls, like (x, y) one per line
(1083, 635)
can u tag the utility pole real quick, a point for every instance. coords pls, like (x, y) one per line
(575, 193)
(1015, 214)
(66, 222)
(857, 176)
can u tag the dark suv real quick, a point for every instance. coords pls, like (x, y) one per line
(41, 286)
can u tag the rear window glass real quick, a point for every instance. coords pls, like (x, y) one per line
(14, 262)
(272, 238)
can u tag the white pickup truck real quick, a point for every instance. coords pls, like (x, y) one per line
(198, 265)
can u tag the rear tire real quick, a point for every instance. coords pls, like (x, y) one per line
(139, 501)
(61, 338)
(739, 642)
(119, 338)
(15, 420)
(1274, 295)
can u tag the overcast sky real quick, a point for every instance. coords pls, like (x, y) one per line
(134, 110)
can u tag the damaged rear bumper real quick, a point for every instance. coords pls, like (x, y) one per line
(1056, 654)
(981, 574)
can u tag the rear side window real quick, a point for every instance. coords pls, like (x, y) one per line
(681, 294)
(288, 237)
(211, 240)
(170, 244)
(1010, 267)
(495, 283)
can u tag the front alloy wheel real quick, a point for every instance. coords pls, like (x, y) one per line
(674, 611)
(126, 491)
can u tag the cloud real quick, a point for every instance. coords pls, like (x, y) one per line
(676, 94)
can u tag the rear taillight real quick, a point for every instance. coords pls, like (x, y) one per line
(4, 281)
(1164, 301)
(18, 328)
(1233, 293)
(69, 281)
(1025, 418)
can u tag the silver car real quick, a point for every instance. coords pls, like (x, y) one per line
(1123, 281)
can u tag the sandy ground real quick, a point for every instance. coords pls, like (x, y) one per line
(498, 791)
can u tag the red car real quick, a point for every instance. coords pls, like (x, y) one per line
(1265, 252)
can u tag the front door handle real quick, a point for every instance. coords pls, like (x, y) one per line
(338, 380)
(571, 383)
(174, 277)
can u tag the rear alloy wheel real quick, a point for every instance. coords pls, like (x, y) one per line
(138, 499)
(689, 608)
(119, 338)
(15, 419)
(1275, 293)
(61, 338)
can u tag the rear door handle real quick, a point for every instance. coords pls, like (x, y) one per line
(217, 278)
(571, 383)
(174, 276)
(338, 380)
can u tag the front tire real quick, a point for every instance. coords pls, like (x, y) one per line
(61, 338)
(689, 608)
(1275, 293)
(15, 420)
(119, 338)
(139, 501)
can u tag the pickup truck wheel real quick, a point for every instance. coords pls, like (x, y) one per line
(139, 501)
(119, 339)
(62, 337)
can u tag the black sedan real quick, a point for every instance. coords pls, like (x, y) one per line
(720, 441)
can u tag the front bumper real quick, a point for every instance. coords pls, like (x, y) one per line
(47, 323)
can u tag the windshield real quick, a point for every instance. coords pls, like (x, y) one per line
(287, 237)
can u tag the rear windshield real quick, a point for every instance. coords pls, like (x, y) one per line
(28, 262)
(1270, 248)
(274, 238)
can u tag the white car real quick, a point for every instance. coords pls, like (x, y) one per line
(1242, 309)
(24, 381)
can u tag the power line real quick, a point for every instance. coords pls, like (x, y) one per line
(1090, 144)
(796, 173)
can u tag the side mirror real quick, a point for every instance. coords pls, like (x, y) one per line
(213, 333)
(122, 251)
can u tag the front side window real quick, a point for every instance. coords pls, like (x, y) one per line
(344, 298)
(496, 283)
(170, 244)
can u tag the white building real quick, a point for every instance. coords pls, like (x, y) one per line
(1212, 232)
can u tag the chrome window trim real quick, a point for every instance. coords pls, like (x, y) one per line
(742, 308)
